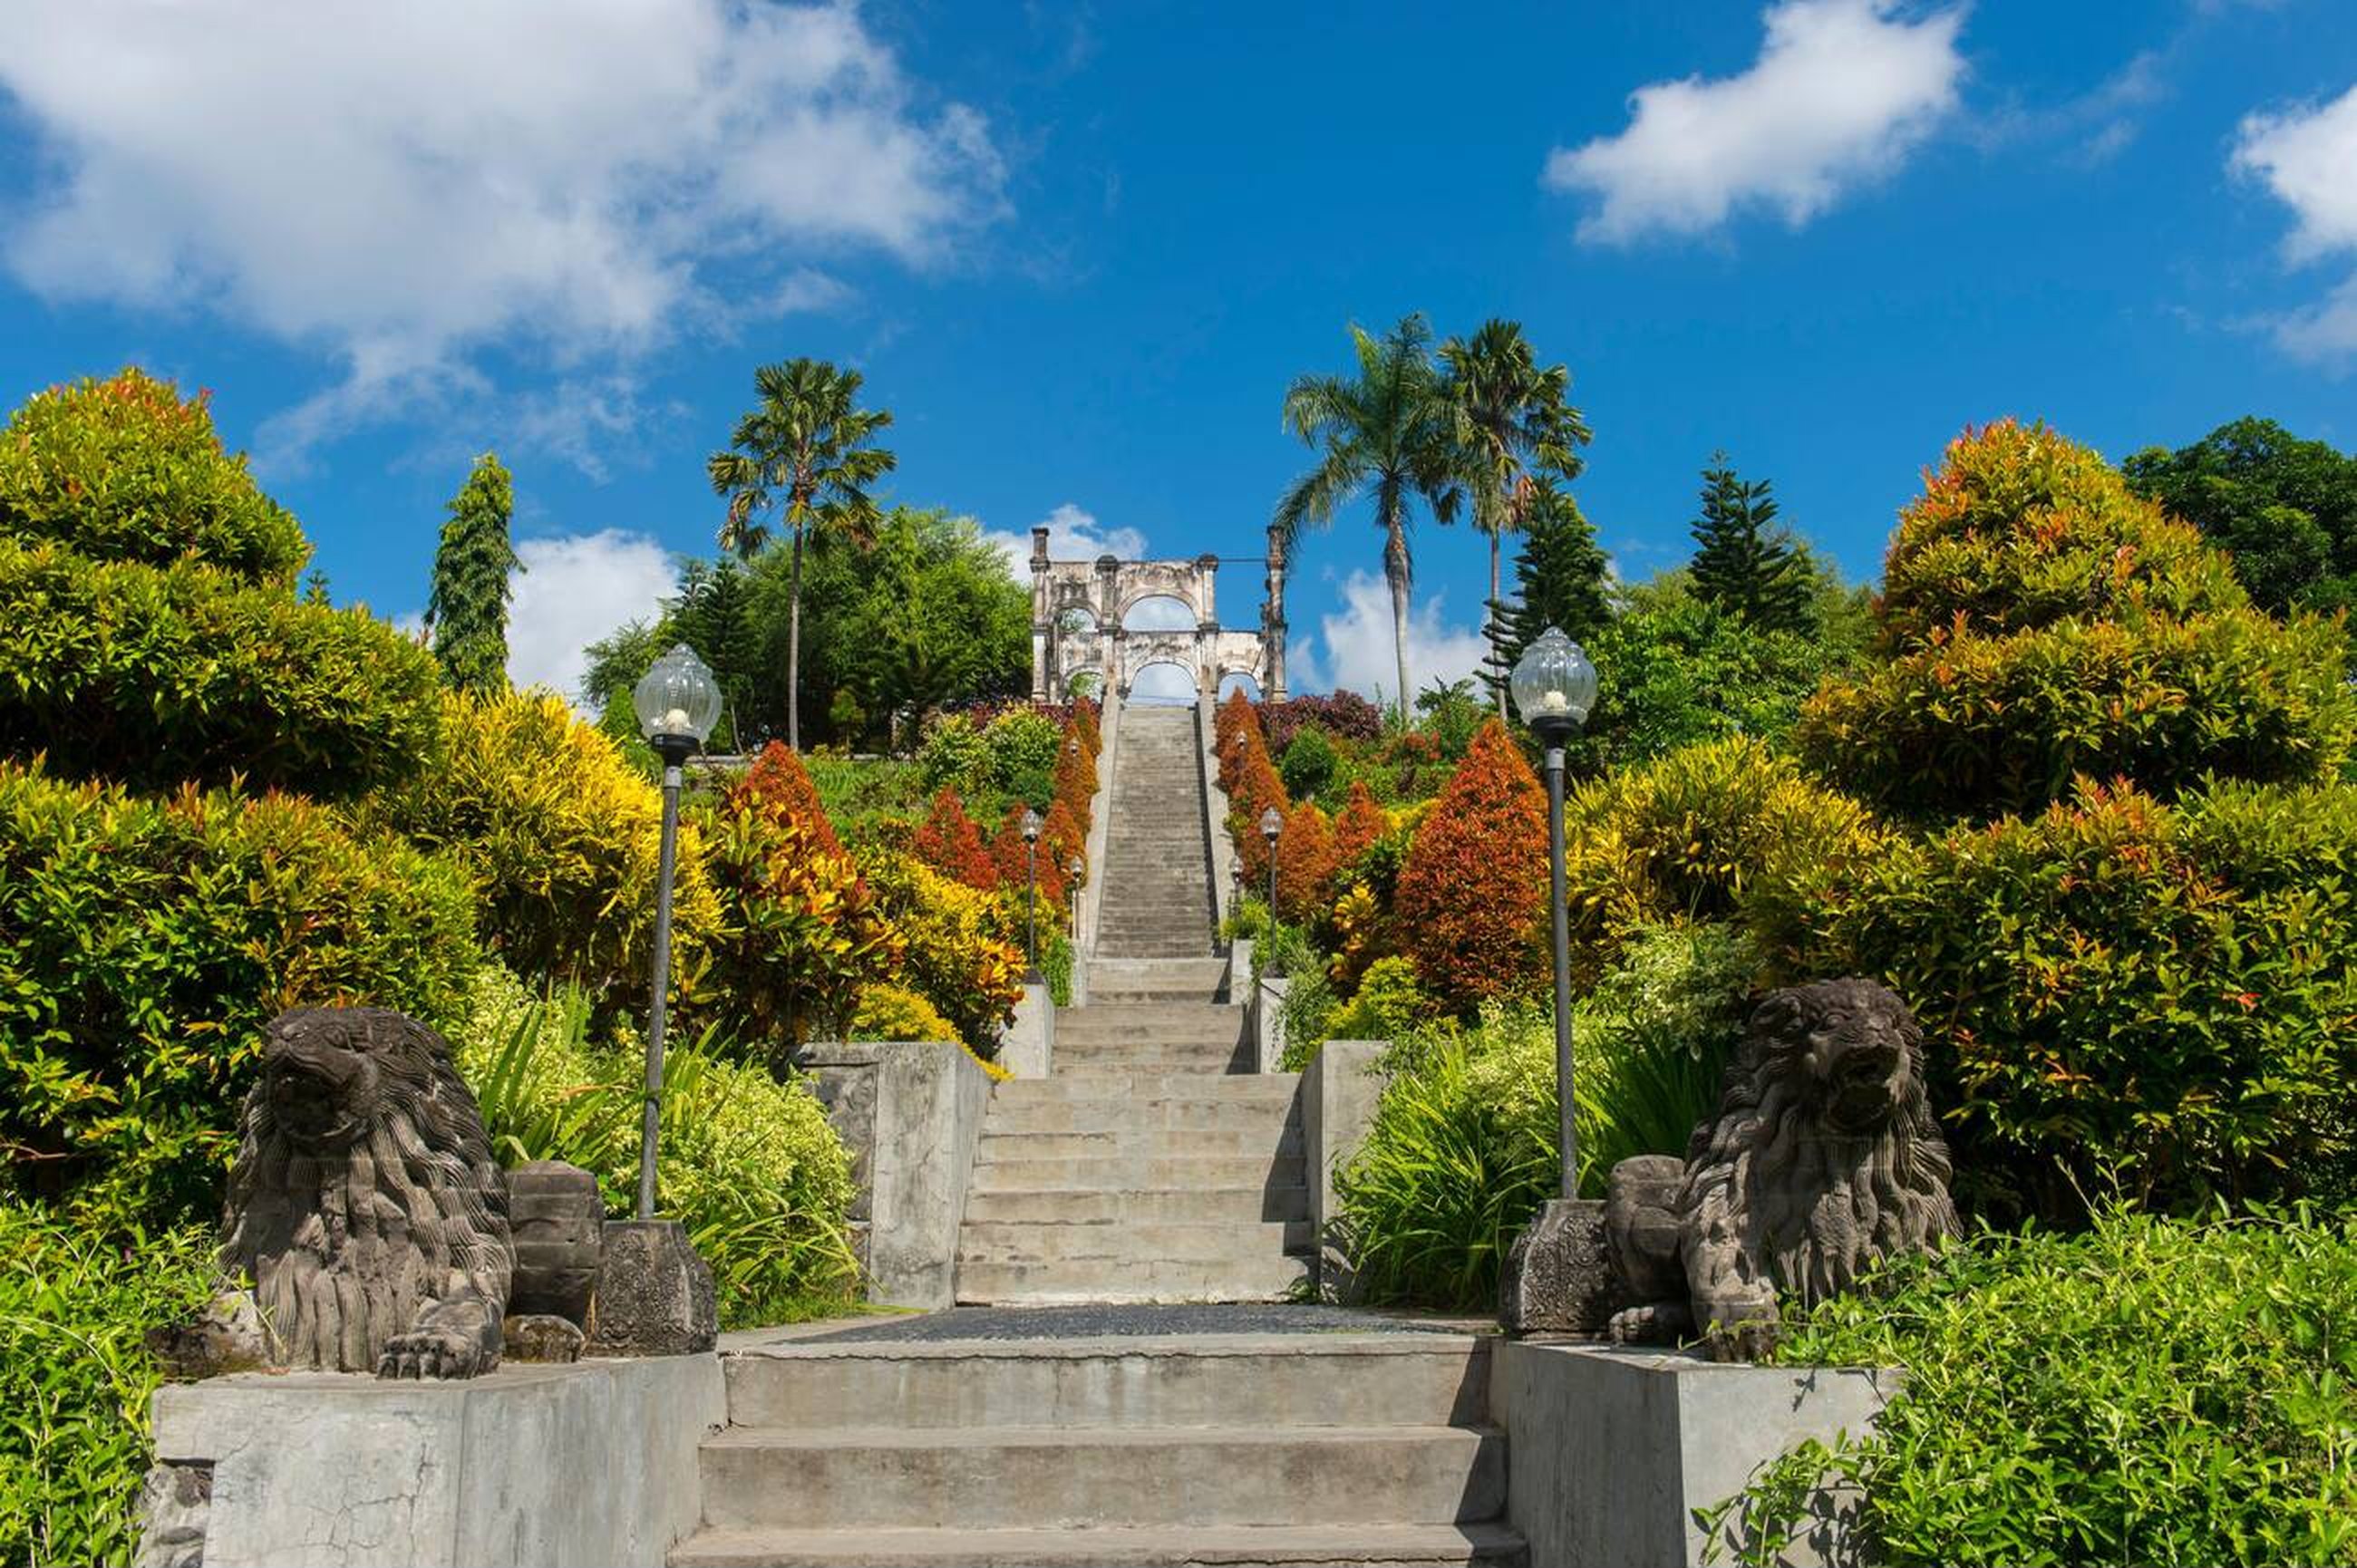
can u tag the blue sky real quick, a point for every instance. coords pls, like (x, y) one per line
(1079, 253)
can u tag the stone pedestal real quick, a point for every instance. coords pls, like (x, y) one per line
(1558, 1278)
(557, 1218)
(654, 1295)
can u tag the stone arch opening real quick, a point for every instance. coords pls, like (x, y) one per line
(1243, 680)
(1163, 681)
(1158, 612)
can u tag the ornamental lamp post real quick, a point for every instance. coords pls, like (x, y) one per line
(1555, 687)
(1031, 894)
(677, 704)
(1272, 824)
(1072, 870)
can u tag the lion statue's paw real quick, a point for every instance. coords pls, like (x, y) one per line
(433, 1351)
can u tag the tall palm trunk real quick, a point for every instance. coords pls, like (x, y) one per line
(794, 646)
(1497, 646)
(1395, 569)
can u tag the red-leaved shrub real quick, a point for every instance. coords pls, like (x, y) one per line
(1475, 881)
(950, 843)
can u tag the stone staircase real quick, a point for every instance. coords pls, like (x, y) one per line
(1143, 1168)
(1157, 872)
(1358, 1448)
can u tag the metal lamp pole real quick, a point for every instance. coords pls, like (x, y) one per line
(1555, 687)
(1272, 825)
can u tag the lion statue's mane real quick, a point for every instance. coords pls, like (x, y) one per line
(365, 1204)
(1823, 1160)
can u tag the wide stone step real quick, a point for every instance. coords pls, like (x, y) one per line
(848, 1477)
(1273, 1278)
(1080, 1206)
(999, 1144)
(1165, 1546)
(1125, 1172)
(1114, 1114)
(1146, 1083)
(1175, 1241)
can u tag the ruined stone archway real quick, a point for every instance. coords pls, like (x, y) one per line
(1078, 609)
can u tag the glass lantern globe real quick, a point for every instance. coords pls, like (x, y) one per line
(677, 702)
(1271, 825)
(1554, 683)
(1030, 825)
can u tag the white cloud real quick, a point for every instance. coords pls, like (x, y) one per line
(1353, 649)
(1842, 91)
(2307, 159)
(397, 185)
(1072, 535)
(574, 590)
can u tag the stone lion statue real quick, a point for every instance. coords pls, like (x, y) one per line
(365, 1204)
(1823, 1160)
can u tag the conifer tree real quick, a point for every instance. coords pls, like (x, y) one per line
(1741, 565)
(467, 609)
(1559, 576)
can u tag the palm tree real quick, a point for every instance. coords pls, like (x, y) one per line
(806, 450)
(1385, 435)
(1510, 421)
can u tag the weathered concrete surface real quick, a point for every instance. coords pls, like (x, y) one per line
(1339, 1090)
(1268, 1020)
(910, 1114)
(1027, 1048)
(1100, 831)
(1215, 814)
(1614, 1448)
(594, 1463)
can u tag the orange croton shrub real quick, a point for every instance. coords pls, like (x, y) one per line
(1305, 863)
(949, 841)
(1475, 881)
(1360, 825)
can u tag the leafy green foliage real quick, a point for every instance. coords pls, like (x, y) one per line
(144, 943)
(1024, 745)
(716, 615)
(2284, 509)
(1308, 764)
(467, 606)
(2151, 1391)
(155, 675)
(1462, 1151)
(745, 1162)
(2044, 622)
(961, 948)
(126, 469)
(2116, 991)
(1742, 565)
(1560, 577)
(75, 1377)
(561, 837)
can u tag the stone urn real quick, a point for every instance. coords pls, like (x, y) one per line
(558, 1222)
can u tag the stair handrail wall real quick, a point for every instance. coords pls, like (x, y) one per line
(1092, 891)
(1221, 853)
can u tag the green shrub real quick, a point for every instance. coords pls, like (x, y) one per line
(124, 469)
(1463, 1149)
(2152, 1391)
(144, 943)
(2117, 991)
(154, 675)
(561, 837)
(956, 756)
(1307, 765)
(2041, 622)
(1024, 744)
(1689, 834)
(746, 1163)
(1390, 1001)
(75, 1377)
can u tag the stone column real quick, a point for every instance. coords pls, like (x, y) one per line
(1109, 624)
(1042, 625)
(1272, 623)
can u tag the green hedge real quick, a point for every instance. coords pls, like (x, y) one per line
(2117, 992)
(144, 941)
(2150, 1392)
(74, 1377)
(154, 675)
(126, 469)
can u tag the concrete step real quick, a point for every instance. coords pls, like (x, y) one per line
(1215, 1379)
(1168, 1546)
(1077, 1206)
(998, 1144)
(848, 1477)
(1273, 1278)
(1133, 1173)
(1210, 1060)
(1177, 1241)
(1112, 1113)
(1146, 1083)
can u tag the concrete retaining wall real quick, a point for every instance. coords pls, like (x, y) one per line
(528, 1467)
(1614, 1449)
(1027, 1049)
(910, 1114)
(1215, 814)
(1338, 1093)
